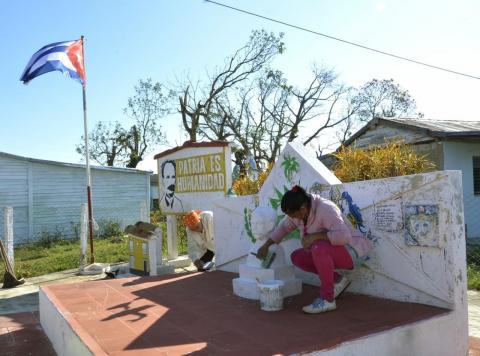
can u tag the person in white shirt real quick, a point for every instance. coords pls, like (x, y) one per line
(200, 240)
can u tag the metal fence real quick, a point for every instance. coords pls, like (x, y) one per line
(473, 253)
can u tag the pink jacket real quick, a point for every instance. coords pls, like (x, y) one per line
(325, 216)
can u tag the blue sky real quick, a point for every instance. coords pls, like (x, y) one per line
(131, 40)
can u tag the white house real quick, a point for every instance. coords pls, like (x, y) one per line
(46, 196)
(451, 145)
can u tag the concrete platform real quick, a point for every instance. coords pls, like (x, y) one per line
(21, 334)
(198, 313)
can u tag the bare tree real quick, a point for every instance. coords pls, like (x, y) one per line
(262, 115)
(197, 104)
(270, 112)
(320, 105)
(248, 115)
(273, 111)
(306, 113)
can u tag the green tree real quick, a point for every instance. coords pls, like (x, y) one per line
(105, 146)
(145, 108)
(377, 98)
(113, 144)
(384, 98)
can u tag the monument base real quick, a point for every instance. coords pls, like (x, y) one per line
(180, 262)
(198, 312)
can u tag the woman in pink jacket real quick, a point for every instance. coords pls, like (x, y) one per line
(329, 242)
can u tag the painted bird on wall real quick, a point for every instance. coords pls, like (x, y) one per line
(352, 211)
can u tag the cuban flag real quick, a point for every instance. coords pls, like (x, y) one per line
(66, 57)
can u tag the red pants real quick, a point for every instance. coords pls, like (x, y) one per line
(323, 258)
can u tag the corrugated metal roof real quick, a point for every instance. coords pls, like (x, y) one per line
(441, 126)
(76, 165)
(433, 128)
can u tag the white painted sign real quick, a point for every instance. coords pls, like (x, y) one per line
(192, 175)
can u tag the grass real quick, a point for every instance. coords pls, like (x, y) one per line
(473, 266)
(54, 254)
(35, 259)
(473, 276)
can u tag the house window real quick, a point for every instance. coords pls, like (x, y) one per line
(476, 175)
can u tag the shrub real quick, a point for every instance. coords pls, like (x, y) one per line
(48, 238)
(246, 186)
(109, 228)
(160, 220)
(473, 276)
(156, 217)
(393, 159)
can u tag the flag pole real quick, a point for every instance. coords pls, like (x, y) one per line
(87, 163)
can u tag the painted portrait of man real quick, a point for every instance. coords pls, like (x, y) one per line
(169, 202)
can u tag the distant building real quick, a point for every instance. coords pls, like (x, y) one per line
(451, 145)
(154, 192)
(46, 196)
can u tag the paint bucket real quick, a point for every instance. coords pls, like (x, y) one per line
(271, 296)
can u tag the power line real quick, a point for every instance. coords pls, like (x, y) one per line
(342, 40)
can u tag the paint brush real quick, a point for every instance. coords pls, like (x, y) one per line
(268, 260)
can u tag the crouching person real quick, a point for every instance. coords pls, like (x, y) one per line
(329, 242)
(201, 246)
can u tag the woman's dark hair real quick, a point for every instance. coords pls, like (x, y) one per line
(293, 200)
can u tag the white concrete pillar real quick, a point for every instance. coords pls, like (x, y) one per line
(153, 254)
(8, 232)
(172, 249)
(159, 234)
(144, 213)
(83, 235)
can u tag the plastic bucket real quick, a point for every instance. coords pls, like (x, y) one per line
(271, 296)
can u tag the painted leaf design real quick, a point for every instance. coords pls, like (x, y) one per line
(290, 166)
(248, 225)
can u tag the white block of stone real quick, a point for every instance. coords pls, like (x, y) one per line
(165, 269)
(254, 273)
(180, 262)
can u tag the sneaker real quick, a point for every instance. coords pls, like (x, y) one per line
(340, 287)
(319, 305)
(207, 266)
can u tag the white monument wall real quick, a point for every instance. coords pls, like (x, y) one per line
(416, 224)
(296, 165)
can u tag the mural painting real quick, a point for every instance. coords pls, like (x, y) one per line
(421, 225)
(169, 201)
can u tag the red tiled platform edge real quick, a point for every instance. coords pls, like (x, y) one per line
(474, 346)
(198, 313)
